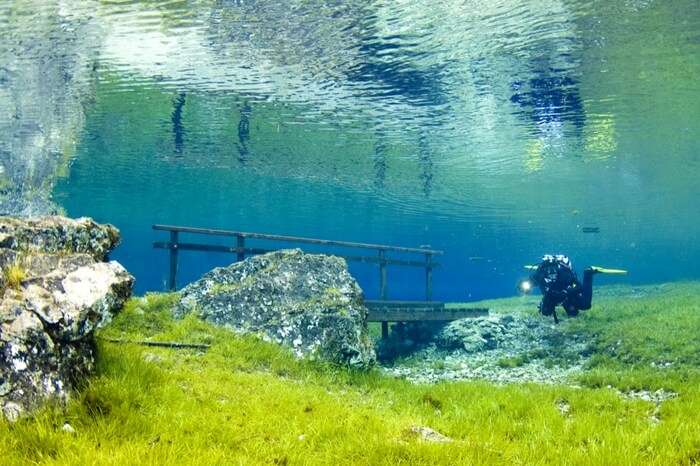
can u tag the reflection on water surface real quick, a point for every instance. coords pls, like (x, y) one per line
(494, 129)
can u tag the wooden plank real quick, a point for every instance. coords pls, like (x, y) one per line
(161, 344)
(240, 248)
(411, 315)
(382, 289)
(389, 310)
(376, 304)
(376, 260)
(253, 251)
(210, 248)
(294, 239)
(172, 275)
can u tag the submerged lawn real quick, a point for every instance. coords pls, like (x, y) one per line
(247, 402)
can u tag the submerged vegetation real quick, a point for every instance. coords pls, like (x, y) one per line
(13, 275)
(245, 401)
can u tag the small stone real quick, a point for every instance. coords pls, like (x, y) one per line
(12, 411)
(5, 388)
(67, 428)
(429, 435)
(152, 358)
(564, 407)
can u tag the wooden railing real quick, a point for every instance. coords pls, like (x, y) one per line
(381, 258)
(381, 310)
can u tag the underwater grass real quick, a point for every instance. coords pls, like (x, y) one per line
(13, 275)
(644, 339)
(245, 401)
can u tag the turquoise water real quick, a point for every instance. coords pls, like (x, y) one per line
(495, 131)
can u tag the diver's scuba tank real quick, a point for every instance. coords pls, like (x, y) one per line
(554, 274)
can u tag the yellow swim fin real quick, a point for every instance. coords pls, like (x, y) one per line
(608, 271)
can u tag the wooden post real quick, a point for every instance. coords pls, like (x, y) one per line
(240, 244)
(428, 277)
(172, 279)
(382, 288)
(385, 330)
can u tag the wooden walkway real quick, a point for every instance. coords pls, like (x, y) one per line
(418, 311)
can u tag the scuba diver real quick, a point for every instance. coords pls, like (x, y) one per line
(557, 280)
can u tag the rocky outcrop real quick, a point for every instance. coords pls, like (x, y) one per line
(55, 292)
(51, 238)
(308, 302)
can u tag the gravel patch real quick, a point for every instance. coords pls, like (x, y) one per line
(498, 348)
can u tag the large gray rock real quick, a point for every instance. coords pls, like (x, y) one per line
(308, 302)
(479, 334)
(54, 293)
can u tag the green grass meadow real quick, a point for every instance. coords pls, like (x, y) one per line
(245, 401)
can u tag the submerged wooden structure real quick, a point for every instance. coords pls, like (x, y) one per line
(382, 310)
(418, 311)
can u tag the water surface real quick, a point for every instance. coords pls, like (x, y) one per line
(496, 131)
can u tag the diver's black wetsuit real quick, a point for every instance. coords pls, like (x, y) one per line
(557, 280)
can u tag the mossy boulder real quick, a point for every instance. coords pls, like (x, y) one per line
(479, 334)
(308, 302)
(54, 293)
